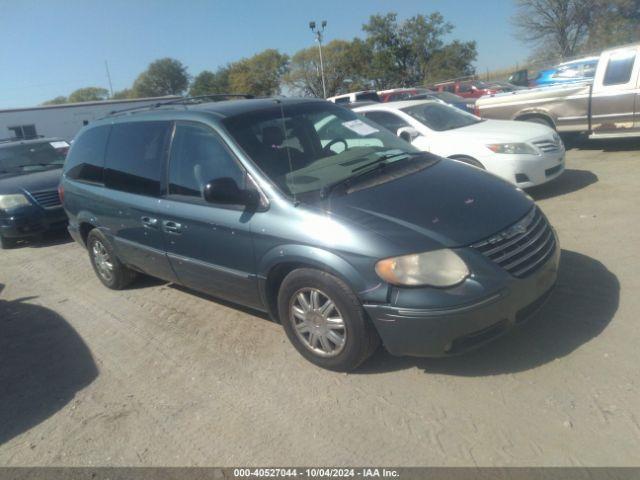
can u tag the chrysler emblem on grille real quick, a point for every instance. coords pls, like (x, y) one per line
(517, 229)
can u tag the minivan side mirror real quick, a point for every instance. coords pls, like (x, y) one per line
(226, 191)
(408, 134)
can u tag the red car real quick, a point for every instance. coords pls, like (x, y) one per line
(466, 88)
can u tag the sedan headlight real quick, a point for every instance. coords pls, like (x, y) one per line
(12, 201)
(439, 268)
(512, 148)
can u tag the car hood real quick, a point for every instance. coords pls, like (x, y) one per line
(448, 204)
(489, 131)
(31, 182)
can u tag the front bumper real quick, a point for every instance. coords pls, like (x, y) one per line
(437, 332)
(526, 170)
(32, 221)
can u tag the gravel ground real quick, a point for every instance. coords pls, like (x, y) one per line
(157, 375)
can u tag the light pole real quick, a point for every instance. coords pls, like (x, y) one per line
(317, 31)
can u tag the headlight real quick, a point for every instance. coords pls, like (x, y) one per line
(440, 268)
(512, 148)
(12, 201)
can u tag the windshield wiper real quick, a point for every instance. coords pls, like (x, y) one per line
(379, 164)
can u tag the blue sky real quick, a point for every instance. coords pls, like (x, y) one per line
(50, 48)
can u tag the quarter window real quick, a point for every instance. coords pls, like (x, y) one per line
(619, 69)
(198, 156)
(134, 157)
(86, 158)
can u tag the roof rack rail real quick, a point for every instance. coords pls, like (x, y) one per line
(185, 101)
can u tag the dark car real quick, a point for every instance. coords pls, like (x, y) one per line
(342, 232)
(30, 172)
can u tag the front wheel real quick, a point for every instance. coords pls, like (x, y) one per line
(468, 160)
(324, 320)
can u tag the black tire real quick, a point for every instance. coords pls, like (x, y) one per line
(7, 243)
(121, 276)
(540, 121)
(468, 160)
(361, 339)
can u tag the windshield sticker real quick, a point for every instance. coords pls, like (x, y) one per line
(59, 144)
(360, 127)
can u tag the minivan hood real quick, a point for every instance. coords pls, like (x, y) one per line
(450, 203)
(31, 182)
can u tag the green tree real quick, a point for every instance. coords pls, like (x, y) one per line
(123, 94)
(88, 94)
(260, 74)
(615, 22)
(345, 66)
(56, 101)
(559, 28)
(407, 53)
(166, 76)
(210, 83)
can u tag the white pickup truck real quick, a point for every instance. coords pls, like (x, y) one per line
(607, 107)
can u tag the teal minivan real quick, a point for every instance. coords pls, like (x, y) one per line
(344, 233)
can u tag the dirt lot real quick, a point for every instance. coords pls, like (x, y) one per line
(156, 375)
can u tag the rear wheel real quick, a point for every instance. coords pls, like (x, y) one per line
(111, 272)
(325, 321)
(6, 243)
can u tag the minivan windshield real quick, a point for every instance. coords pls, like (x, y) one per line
(31, 157)
(441, 117)
(311, 146)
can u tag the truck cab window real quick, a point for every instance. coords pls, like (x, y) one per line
(619, 69)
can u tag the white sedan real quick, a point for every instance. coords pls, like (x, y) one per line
(523, 153)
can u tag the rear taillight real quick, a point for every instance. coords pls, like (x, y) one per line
(61, 193)
(476, 110)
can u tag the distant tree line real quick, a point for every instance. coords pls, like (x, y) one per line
(392, 53)
(562, 29)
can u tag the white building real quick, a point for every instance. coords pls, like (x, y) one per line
(64, 120)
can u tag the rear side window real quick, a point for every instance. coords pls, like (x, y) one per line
(198, 156)
(85, 161)
(134, 160)
(619, 69)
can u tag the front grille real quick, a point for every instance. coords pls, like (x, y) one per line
(547, 146)
(47, 198)
(523, 247)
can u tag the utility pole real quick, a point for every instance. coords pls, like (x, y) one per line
(106, 66)
(317, 31)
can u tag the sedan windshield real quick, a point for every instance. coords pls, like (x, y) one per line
(440, 117)
(309, 147)
(31, 157)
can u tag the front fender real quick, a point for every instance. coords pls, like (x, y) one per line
(366, 287)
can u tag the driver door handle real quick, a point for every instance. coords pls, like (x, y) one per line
(172, 227)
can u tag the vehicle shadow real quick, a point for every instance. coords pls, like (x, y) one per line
(570, 181)
(606, 145)
(47, 239)
(43, 363)
(582, 305)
